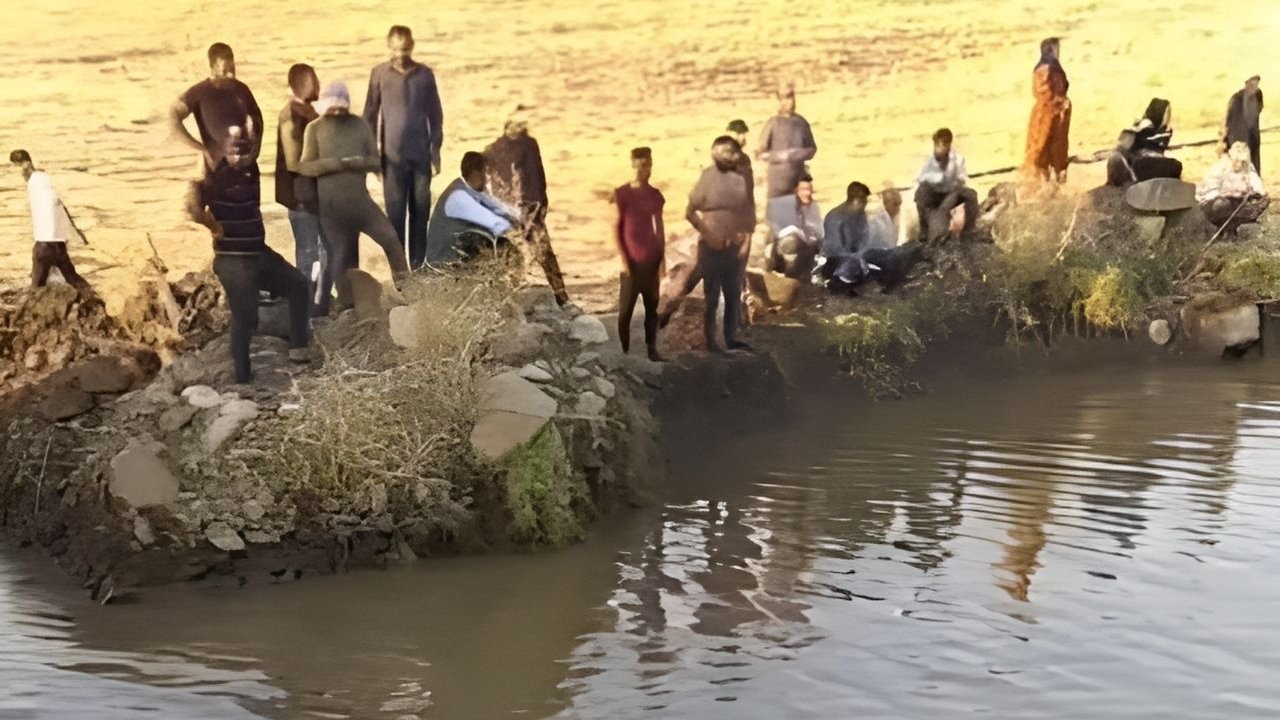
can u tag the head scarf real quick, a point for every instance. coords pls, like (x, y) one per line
(334, 95)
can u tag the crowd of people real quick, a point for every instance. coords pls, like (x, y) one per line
(324, 153)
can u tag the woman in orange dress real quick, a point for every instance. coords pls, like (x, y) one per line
(1047, 133)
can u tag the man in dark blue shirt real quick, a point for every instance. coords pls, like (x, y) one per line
(848, 256)
(403, 108)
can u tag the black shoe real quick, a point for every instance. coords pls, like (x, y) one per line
(739, 345)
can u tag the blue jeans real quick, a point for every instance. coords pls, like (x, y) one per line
(407, 189)
(721, 275)
(307, 249)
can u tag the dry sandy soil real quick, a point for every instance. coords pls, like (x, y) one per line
(87, 84)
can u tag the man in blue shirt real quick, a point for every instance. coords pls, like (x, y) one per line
(403, 108)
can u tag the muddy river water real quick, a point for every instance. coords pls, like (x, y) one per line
(1102, 544)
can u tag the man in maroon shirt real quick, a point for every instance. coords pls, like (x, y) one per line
(641, 243)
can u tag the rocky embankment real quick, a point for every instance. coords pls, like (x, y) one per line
(455, 416)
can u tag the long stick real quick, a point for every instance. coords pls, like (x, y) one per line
(40, 481)
(1200, 261)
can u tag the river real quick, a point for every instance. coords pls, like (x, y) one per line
(1102, 544)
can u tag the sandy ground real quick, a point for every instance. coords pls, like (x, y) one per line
(87, 85)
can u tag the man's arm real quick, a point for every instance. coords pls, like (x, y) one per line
(311, 164)
(962, 171)
(373, 101)
(931, 173)
(766, 142)
(368, 160)
(808, 148)
(539, 174)
(435, 116)
(618, 230)
(178, 112)
(497, 207)
(290, 146)
(258, 128)
(462, 206)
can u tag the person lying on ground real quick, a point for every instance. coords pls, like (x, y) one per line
(51, 226)
(720, 209)
(339, 150)
(517, 177)
(848, 257)
(786, 143)
(941, 186)
(466, 217)
(795, 227)
(1233, 187)
(641, 248)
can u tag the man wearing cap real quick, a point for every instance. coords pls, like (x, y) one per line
(403, 108)
(641, 239)
(230, 126)
(786, 144)
(296, 192)
(720, 209)
(339, 150)
(1244, 120)
(51, 225)
(518, 178)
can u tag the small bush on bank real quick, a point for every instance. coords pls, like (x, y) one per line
(879, 347)
(542, 492)
(1255, 271)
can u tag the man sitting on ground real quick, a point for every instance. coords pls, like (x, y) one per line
(795, 222)
(884, 225)
(942, 185)
(849, 258)
(1232, 191)
(466, 217)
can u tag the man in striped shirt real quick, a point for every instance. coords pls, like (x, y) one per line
(230, 126)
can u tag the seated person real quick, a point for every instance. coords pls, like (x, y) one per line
(1232, 190)
(466, 218)
(847, 255)
(941, 186)
(795, 226)
(884, 224)
(1139, 153)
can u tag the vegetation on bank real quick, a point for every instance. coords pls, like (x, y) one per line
(1083, 267)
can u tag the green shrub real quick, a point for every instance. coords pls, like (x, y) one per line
(879, 346)
(543, 491)
(1255, 271)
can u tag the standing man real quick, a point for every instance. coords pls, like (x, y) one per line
(720, 210)
(51, 225)
(1050, 125)
(641, 241)
(338, 149)
(403, 108)
(1244, 120)
(738, 131)
(786, 144)
(517, 177)
(230, 126)
(941, 186)
(295, 191)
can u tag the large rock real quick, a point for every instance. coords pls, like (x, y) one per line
(533, 373)
(518, 342)
(1161, 195)
(223, 537)
(141, 478)
(590, 405)
(511, 393)
(227, 425)
(366, 294)
(774, 288)
(177, 417)
(104, 374)
(588, 329)
(65, 403)
(405, 325)
(1217, 329)
(1149, 228)
(273, 319)
(202, 396)
(513, 410)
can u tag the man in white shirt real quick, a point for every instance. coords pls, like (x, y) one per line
(466, 213)
(51, 225)
(941, 186)
(883, 226)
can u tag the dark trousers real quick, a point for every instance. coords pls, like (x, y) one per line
(407, 189)
(308, 249)
(641, 281)
(721, 275)
(935, 209)
(46, 256)
(242, 277)
(1146, 167)
(341, 226)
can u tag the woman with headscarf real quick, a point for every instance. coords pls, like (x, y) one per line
(1050, 126)
(1139, 154)
(1232, 191)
